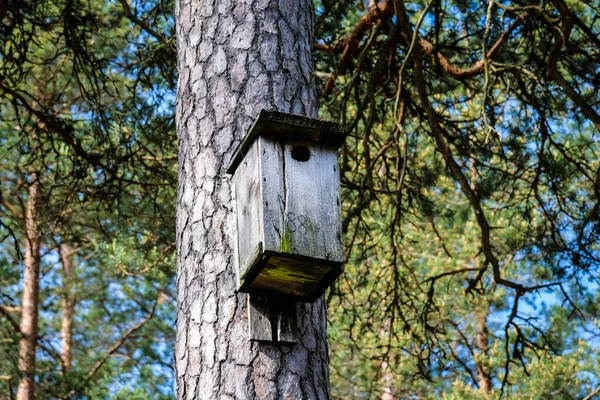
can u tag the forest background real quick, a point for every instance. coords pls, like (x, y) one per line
(470, 181)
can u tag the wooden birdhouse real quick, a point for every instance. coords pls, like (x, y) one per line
(287, 189)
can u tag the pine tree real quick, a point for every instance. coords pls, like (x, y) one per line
(233, 60)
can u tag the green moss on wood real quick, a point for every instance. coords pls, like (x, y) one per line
(307, 235)
(291, 276)
(286, 242)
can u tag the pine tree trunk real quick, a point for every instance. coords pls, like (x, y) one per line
(485, 380)
(29, 313)
(387, 380)
(235, 58)
(67, 254)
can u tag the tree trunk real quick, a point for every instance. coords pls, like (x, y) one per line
(234, 58)
(485, 380)
(67, 254)
(29, 312)
(387, 380)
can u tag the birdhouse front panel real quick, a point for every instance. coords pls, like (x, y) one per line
(288, 215)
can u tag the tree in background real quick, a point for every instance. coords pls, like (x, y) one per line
(470, 181)
(472, 196)
(87, 169)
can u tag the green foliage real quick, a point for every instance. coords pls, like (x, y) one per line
(88, 107)
(471, 194)
(471, 197)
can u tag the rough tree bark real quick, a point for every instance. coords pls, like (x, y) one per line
(67, 255)
(29, 307)
(234, 58)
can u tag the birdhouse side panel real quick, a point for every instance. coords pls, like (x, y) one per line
(249, 210)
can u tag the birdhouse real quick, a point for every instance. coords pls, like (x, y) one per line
(287, 190)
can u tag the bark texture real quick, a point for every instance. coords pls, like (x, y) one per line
(234, 58)
(31, 292)
(67, 254)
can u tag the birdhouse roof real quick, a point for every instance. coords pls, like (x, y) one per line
(288, 127)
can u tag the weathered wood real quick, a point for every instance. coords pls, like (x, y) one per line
(291, 205)
(248, 194)
(260, 318)
(287, 322)
(295, 277)
(288, 127)
(272, 183)
(311, 206)
(272, 318)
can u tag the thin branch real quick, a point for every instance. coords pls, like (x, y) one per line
(478, 67)
(453, 272)
(380, 12)
(562, 36)
(142, 24)
(591, 395)
(10, 319)
(113, 349)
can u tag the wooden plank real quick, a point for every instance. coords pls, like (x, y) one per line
(287, 322)
(285, 127)
(253, 267)
(272, 319)
(312, 218)
(260, 318)
(301, 200)
(249, 210)
(292, 276)
(273, 195)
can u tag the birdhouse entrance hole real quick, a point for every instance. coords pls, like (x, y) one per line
(301, 153)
